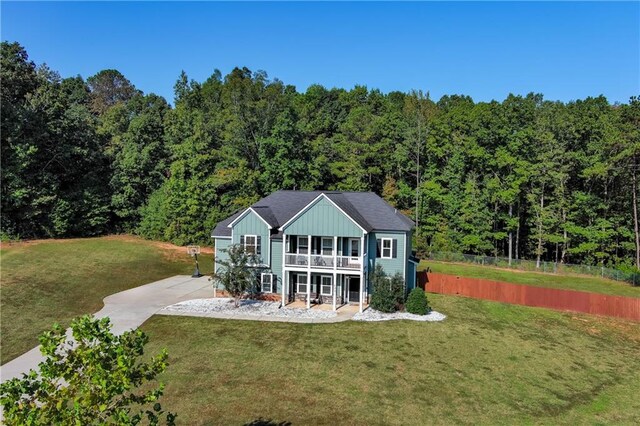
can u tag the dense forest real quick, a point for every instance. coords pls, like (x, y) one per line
(524, 177)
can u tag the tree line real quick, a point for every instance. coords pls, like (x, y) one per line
(521, 178)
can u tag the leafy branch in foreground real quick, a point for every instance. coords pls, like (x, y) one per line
(94, 378)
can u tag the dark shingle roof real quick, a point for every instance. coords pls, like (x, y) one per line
(366, 208)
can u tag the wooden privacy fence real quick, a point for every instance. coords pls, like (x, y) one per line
(562, 300)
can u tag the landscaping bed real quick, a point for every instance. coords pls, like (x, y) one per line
(373, 315)
(258, 308)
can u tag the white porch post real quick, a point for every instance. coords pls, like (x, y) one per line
(284, 285)
(361, 292)
(362, 260)
(335, 289)
(284, 271)
(335, 266)
(308, 289)
(308, 271)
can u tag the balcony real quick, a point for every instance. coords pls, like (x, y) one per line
(320, 261)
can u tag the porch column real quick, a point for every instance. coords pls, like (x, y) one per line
(309, 245)
(335, 289)
(284, 285)
(361, 291)
(362, 252)
(308, 289)
(285, 274)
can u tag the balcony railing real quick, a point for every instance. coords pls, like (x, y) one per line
(320, 261)
(349, 262)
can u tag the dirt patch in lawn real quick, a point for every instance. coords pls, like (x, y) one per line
(131, 238)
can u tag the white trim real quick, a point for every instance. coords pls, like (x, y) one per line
(305, 208)
(244, 213)
(285, 273)
(322, 277)
(255, 237)
(308, 238)
(333, 249)
(298, 275)
(270, 282)
(382, 240)
(334, 288)
(350, 247)
(222, 237)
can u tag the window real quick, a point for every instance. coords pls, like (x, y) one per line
(354, 247)
(301, 283)
(266, 283)
(325, 288)
(327, 246)
(303, 245)
(387, 245)
(251, 243)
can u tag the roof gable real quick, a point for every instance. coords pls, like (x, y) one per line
(366, 209)
(362, 225)
(248, 211)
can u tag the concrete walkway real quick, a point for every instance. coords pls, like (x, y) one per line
(127, 310)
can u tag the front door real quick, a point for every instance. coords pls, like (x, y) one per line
(353, 289)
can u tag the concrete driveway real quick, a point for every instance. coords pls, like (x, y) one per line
(127, 310)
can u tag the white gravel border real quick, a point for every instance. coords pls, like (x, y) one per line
(258, 308)
(373, 315)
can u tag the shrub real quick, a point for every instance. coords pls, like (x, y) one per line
(388, 292)
(235, 273)
(417, 302)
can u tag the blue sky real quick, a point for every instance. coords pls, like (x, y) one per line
(486, 50)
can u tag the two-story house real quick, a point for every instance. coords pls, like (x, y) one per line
(319, 246)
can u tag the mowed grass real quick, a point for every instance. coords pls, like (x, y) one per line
(53, 281)
(538, 279)
(487, 363)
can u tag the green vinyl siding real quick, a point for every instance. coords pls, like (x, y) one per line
(251, 224)
(391, 266)
(276, 262)
(323, 218)
(411, 275)
(221, 244)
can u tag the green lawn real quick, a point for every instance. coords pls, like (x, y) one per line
(48, 281)
(567, 282)
(488, 363)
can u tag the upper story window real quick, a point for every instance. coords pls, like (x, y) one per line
(387, 244)
(386, 248)
(303, 245)
(354, 247)
(327, 246)
(251, 243)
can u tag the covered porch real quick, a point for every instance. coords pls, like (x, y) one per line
(299, 304)
(324, 290)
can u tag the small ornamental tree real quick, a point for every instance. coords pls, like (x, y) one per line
(95, 378)
(235, 273)
(388, 292)
(417, 302)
